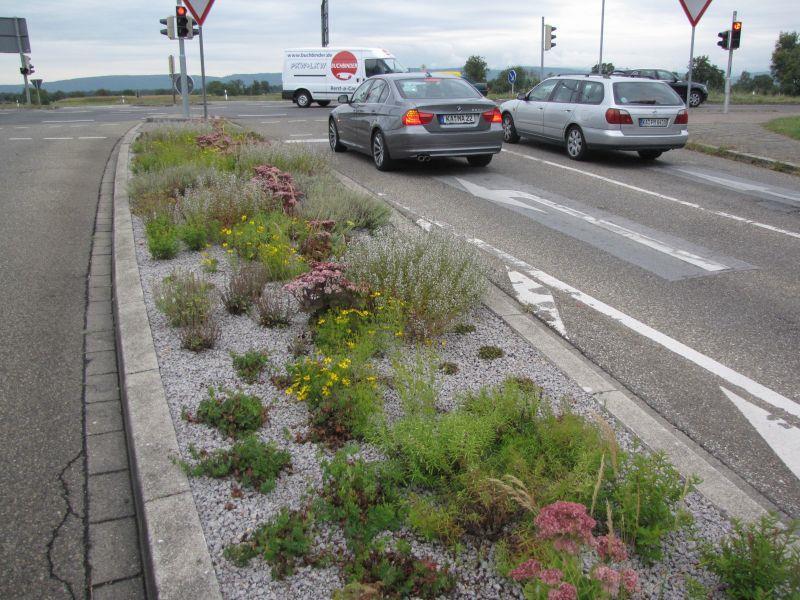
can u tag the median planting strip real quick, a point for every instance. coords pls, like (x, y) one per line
(353, 421)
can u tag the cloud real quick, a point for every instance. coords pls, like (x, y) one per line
(93, 37)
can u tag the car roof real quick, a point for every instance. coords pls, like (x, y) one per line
(417, 75)
(596, 77)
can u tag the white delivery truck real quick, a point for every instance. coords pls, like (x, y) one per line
(323, 74)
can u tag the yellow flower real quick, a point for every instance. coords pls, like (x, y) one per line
(321, 322)
(334, 377)
(372, 378)
(306, 377)
(224, 244)
(351, 345)
(230, 251)
(252, 222)
(327, 360)
(344, 364)
(376, 294)
(346, 382)
(398, 334)
(244, 218)
(326, 392)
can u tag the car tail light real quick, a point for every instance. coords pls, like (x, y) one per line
(493, 116)
(682, 118)
(616, 116)
(416, 117)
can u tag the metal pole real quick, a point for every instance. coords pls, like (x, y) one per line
(184, 79)
(203, 75)
(730, 64)
(541, 68)
(22, 61)
(172, 76)
(689, 78)
(325, 33)
(602, 29)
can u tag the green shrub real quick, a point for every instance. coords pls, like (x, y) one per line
(464, 328)
(196, 236)
(162, 238)
(250, 461)
(437, 277)
(328, 199)
(155, 193)
(244, 287)
(758, 560)
(434, 520)
(448, 368)
(250, 365)
(200, 332)
(233, 413)
(279, 543)
(274, 308)
(184, 298)
(292, 158)
(281, 261)
(169, 147)
(490, 352)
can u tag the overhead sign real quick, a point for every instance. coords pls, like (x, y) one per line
(199, 9)
(9, 42)
(512, 76)
(694, 9)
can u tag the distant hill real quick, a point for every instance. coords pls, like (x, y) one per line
(116, 83)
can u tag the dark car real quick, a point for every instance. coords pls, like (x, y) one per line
(699, 91)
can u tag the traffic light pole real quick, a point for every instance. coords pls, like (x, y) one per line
(728, 73)
(602, 28)
(203, 74)
(22, 62)
(689, 78)
(541, 66)
(184, 79)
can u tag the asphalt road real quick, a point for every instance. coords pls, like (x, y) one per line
(679, 278)
(48, 200)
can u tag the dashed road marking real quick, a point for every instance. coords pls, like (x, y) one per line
(301, 134)
(92, 137)
(71, 121)
(21, 127)
(58, 138)
(18, 139)
(641, 190)
(297, 121)
(310, 141)
(270, 115)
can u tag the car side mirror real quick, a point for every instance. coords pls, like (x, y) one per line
(344, 99)
(522, 96)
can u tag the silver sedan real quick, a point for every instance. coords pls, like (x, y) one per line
(416, 116)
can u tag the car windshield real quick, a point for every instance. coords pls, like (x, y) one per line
(382, 66)
(435, 87)
(646, 92)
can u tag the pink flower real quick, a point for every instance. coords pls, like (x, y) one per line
(608, 578)
(566, 591)
(567, 524)
(551, 576)
(610, 546)
(630, 579)
(527, 570)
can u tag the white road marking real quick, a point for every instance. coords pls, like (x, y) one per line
(21, 127)
(275, 115)
(737, 184)
(297, 121)
(320, 120)
(310, 141)
(301, 134)
(622, 184)
(55, 126)
(19, 139)
(92, 137)
(783, 438)
(506, 197)
(58, 138)
(534, 294)
(269, 122)
(71, 121)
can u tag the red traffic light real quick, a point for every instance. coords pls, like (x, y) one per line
(737, 25)
(180, 11)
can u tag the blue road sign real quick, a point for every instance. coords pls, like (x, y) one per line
(512, 76)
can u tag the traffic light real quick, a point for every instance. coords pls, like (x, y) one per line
(724, 40)
(549, 37)
(170, 27)
(183, 27)
(27, 67)
(736, 34)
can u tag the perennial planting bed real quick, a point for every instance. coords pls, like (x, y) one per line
(393, 437)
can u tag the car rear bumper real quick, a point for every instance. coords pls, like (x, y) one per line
(616, 140)
(411, 142)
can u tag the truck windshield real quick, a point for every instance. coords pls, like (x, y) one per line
(646, 92)
(381, 66)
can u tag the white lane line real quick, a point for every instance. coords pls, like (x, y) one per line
(301, 134)
(71, 121)
(18, 139)
(92, 137)
(701, 360)
(635, 188)
(21, 127)
(741, 185)
(506, 197)
(782, 437)
(270, 115)
(310, 141)
(297, 121)
(320, 120)
(269, 122)
(58, 138)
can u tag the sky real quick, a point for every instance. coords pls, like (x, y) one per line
(81, 38)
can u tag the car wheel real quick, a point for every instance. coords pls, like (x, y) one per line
(510, 134)
(323, 103)
(650, 154)
(333, 137)
(695, 99)
(481, 160)
(303, 99)
(576, 143)
(380, 153)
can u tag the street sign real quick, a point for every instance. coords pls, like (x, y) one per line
(694, 9)
(176, 81)
(199, 9)
(512, 76)
(8, 35)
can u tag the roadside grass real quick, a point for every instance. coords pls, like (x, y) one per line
(157, 100)
(715, 97)
(551, 489)
(788, 126)
(730, 154)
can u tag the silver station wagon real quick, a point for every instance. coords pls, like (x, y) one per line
(594, 111)
(416, 115)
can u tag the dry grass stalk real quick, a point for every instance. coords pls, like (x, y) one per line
(611, 441)
(516, 490)
(599, 481)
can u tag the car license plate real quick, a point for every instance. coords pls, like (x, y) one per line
(653, 122)
(457, 119)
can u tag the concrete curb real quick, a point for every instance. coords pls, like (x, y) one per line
(174, 549)
(752, 159)
(723, 488)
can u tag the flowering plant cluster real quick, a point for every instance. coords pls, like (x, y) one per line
(324, 286)
(217, 139)
(361, 331)
(318, 243)
(568, 527)
(280, 185)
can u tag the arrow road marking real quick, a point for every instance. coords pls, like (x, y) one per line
(507, 197)
(539, 298)
(783, 438)
(635, 188)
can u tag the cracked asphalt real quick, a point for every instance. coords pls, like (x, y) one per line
(48, 201)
